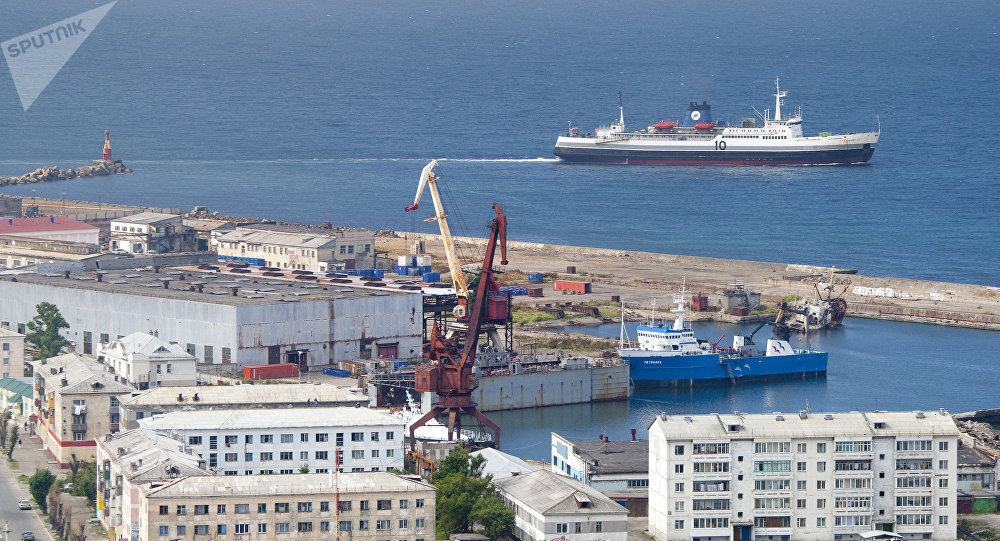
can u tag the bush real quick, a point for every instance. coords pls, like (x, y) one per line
(39, 485)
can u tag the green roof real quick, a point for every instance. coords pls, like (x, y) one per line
(16, 386)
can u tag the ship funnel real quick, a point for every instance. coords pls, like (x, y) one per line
(697, 114)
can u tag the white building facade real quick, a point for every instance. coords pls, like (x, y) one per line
(803, 476)
(147, 232)
(287, 440)
(143, 360)
(11, 354)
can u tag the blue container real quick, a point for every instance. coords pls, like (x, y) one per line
(413, 271)
(337, 372)
(401, 270)
(535, 277)
(432, 276)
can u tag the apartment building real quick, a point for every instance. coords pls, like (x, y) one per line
(149, 232)
(129, 462)
(803, 476)
(76, 402)
(619, 469)
(299, 248)
(551, 506)
(287, 440)
(11, 354)
(160, 400)
(372, 506)
(142, 360)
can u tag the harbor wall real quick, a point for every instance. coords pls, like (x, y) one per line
(553, 387)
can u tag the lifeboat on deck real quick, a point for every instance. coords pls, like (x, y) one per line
(703, 126)
(664, 125)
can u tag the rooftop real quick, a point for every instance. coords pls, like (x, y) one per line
(146, 345)
(547, 492)
(804, 425)
(183, 283)
(238, 419)
(147, 218)
(304, 229)
(306, 484)
(205, 224)
(614, 456)
(7, 333)
(299, 394)
(20, 226)
(302, 240)
(83, 374)
(502, 465)
(967, 456)
(155, 457)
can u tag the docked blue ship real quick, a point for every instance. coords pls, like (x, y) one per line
(671, 355)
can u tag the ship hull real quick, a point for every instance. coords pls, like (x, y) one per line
(654, 368)
(708, 157)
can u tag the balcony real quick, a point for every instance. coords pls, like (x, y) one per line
(78, 427)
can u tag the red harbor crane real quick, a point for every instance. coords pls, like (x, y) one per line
(450, 372)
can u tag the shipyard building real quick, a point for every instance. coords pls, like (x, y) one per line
(223, 318)
(803, 476)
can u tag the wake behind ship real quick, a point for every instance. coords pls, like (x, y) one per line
(697, 140)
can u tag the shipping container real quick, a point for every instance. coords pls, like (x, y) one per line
(407, 261)
(965, 505)
(535, 277)
(269, 371)
(336, 372)
(985, 504)
(699, 303)
(423, 261)
(740, 311)
(535, 291)
(432, 277)
(576, 287)
(570, 270)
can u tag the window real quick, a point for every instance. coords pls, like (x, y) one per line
(773, 465)
(242, 508)
(220, 529)
(800, 522)
(232, 440)
(678, 468)
(800, 504)
(679, 505)
(420, 503)
(942, 446)
(358, 453)
(678, 524)
(248, 457)
(241, 528)
(389, 436)
(320, 438)
(324, 526)
(262, 527)
(209, 355)
(266, 457)
(201, 529)
(286, 455)
(340, 439)
(362, 524)
(213, 442)
(678, 487)
(943, 483)
(821, 447)
(943, 502)
(913, 445)
(181, 531)
(374, 454)
(942, 464)
(262, 508)
(403, 524)
(345, 506)
(266, 438)
(821, 503)
(281, 527)
(281, 508)
(303, 455)
(404, 504)
(772, 447)
(383, 505)
(772, 503)
(800, 466)
(419, 523)
(248, 439)
(821, 522)
(799, 485)
(710, 505)
(164, 531)
(772, 484)
(800, 448)
(678, 449)
(181, 509)
(304, 437)
(821, 466)
(357, 436)
(287, 438)
(201, 509)
(374, 436)
(942, 519)
(711, 467)
(637, 483)
(321, 455)
(345, 526)
(324, 506)
(227, 355)
(164, 510)
(305, 507)
(305, 526)
(562, 527)
(231, 457)
(364, 505)
(221, 509)
(852, 446)
(710, 523)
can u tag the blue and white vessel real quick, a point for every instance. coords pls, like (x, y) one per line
(670, 354)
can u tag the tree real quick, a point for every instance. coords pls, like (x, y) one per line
(13, 442)
(44, 331)
(4, 420)
(85, 481)
(466, 499)
(39, 484)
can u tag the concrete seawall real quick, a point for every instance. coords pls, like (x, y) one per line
(552, 388)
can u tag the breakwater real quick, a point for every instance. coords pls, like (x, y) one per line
(51, 173)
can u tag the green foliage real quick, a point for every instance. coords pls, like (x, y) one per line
(465, 498)
(13, 442)
(790, 298)
(526, 315)
(304, 468)
(43, 331)
(4, 420)
(39, 484)
(85, 481)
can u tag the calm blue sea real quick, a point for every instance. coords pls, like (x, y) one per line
(326, 111)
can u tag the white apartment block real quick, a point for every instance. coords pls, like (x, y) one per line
(372, 506)
(143, 361)
(803, 476)
(284, 440)
(309, 249)
(147, 232)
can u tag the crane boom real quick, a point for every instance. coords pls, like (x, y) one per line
(428, 178)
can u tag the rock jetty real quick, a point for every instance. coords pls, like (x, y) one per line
(48, 174)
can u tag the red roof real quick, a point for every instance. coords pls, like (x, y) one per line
(10, 226)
